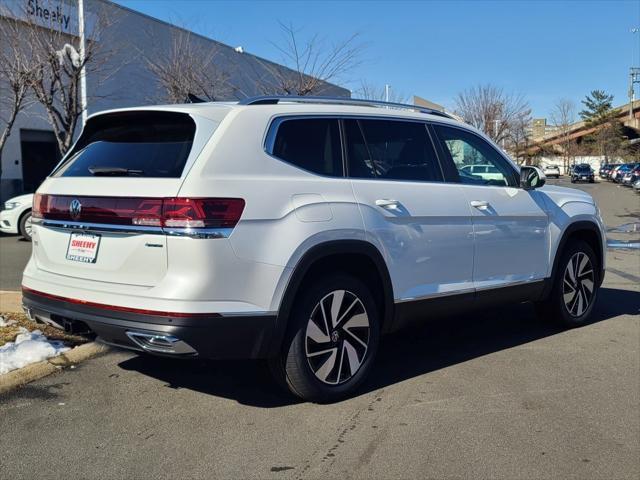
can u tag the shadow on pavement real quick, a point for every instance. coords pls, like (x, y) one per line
(406, 354)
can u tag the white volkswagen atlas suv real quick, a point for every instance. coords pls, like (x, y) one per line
(298, 230)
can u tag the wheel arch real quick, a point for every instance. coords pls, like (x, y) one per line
(328, 256)
(582, 230)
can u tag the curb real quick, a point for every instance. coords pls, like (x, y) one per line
(35, 371)
(10, 301)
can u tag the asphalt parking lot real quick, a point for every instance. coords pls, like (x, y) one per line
(500, 394)
(14, 255)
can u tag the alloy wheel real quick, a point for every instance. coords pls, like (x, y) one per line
(578, 284)
(337, 337)
(28, 226)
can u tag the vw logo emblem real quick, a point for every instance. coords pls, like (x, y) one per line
(75, 207)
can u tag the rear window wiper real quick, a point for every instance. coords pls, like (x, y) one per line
(113, 171)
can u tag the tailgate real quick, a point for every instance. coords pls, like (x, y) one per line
(98, 216)
(99, 245)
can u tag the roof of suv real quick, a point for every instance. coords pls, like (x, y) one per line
(302, 105)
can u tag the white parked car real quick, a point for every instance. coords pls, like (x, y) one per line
(15, 218)
(297, 230)
(552, 171)
(483, 172)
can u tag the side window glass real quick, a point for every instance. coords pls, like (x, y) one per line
(312, 144)
(360, 164)
(477, 162)
(391, 150)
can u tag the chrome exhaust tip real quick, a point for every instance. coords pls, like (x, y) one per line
(158, 343)
(29, 313)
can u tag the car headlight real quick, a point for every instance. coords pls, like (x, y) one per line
(11, 205)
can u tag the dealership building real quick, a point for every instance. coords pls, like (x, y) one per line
(31, 151)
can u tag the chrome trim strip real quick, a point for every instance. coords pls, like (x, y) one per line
(512, 284)
(435, 295)
(198, 233)
(135, 229)
(467, 290)
(247, 314)
(95, 227)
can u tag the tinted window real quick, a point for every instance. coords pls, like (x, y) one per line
(141, 144)
(465, 149)
(312, 144)
(391, 150)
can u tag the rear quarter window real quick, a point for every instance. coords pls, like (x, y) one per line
(134, 144)
(312, 144)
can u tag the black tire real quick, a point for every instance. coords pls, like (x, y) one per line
(24, 225)
(560, 306)
(301, 373)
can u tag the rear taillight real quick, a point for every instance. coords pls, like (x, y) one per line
(202, 212)
(189, 213)
(37, 207)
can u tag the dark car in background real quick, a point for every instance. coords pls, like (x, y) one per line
(582, 173)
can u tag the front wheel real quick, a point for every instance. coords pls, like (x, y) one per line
(332, 340)
(575, 286)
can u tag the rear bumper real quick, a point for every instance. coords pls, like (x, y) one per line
(206, 335)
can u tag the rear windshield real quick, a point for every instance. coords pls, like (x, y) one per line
(132, 144)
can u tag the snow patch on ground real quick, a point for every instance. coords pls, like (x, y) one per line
(6, 323)
(28, 347)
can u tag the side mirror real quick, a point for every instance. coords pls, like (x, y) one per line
(531, 177)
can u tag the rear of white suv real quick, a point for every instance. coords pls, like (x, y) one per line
(298, 231)
(120, 252)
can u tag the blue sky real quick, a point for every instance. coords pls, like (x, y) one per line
(545, 50)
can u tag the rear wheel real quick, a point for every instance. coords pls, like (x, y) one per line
(24, 226)
(575, 286)
(332, 340)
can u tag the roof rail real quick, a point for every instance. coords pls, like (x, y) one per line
(275, 99)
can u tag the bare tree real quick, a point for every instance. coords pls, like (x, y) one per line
(188, 69)
(519, 138)
(563, 116)
(368, 91)
(57, 65)
(16, 73)
(308, 66)
(490, 109)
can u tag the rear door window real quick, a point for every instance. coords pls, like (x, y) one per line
(391, 150)
(312, 144)
(132, 144)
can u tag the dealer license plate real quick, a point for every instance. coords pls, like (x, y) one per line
(83, 247)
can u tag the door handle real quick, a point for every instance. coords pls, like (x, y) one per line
(480, 204)
(387, 203)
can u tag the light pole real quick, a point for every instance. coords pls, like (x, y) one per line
(386, 92)
(83, 76)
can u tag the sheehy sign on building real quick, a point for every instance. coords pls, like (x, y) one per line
(59, 15)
